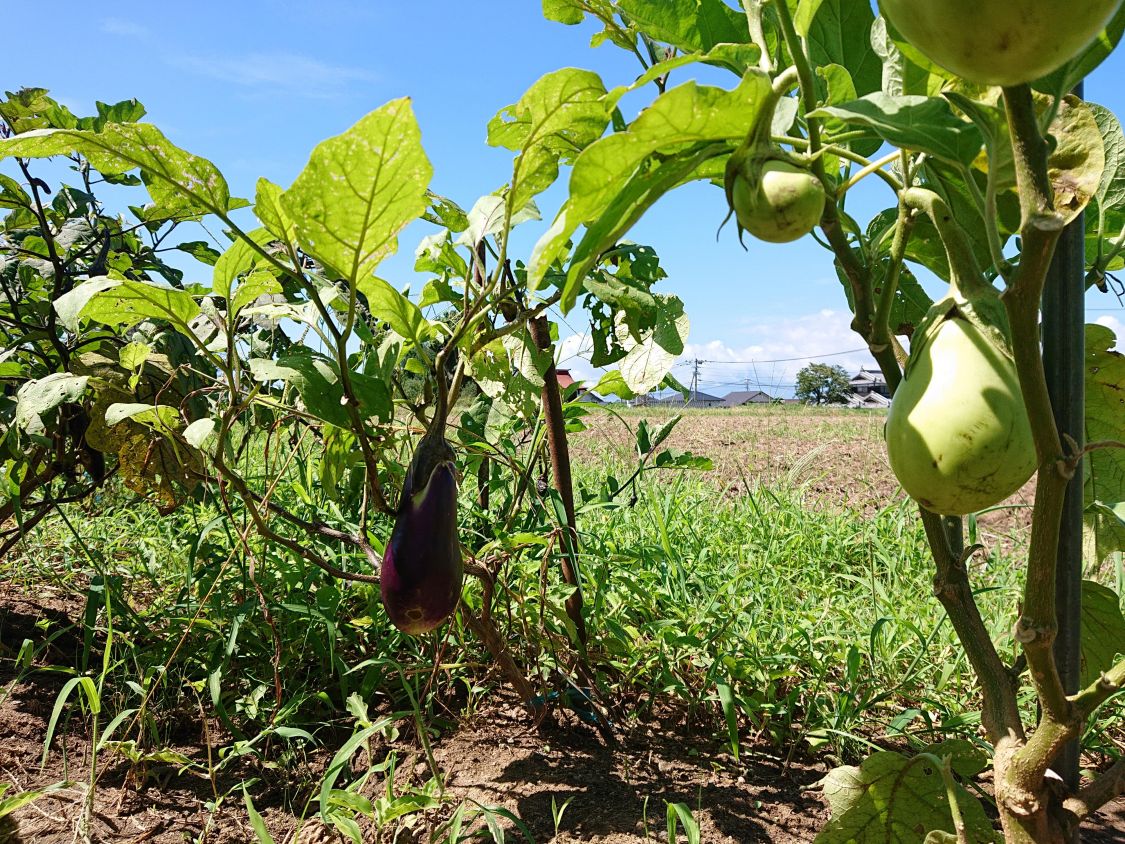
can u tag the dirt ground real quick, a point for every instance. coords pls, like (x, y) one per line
(497, 757)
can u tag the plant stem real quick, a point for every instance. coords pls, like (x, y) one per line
(881, 335)
(560, 464)
(1000, 711)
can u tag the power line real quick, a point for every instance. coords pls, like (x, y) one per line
(789, 360)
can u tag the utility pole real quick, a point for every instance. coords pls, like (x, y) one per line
(695, 378)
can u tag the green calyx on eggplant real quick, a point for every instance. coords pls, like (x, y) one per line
(958, 435)
(772, 194)
(422, 569)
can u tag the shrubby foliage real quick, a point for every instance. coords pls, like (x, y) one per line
(315, 403)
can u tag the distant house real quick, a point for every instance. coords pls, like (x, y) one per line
(573, 390)
(868, 382)
(565, 379)
(876, 401)
(695, 399)
(743, 397)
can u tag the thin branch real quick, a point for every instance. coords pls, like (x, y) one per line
(1107, 786)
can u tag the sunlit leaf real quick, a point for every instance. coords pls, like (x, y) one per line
(359, 190)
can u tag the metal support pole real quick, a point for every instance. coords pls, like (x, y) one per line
(1064, 350)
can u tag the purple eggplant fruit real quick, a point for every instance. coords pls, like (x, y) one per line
(422, 568)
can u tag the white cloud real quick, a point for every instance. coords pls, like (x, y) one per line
(124, 28)
(277, 73)
(779, 349)
(1116, 326)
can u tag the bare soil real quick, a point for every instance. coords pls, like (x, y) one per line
(498, 756)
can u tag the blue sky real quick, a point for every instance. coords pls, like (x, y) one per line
(255, 85)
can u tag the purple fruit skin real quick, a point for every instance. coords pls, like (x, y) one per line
(422, 569)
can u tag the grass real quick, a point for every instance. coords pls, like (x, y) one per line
(761, 614)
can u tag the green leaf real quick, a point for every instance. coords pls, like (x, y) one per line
(487, 217)
(690, 25)
(403, 316)
(200, 250)
(925, 124)
(685, 115)
(649, 359)
(268, 209)
(133, 355)
(806, 11)
(200, 432)
(568, 12)
(723, 55)
(37, 399)
(681, 813)
(8, 805)
(161, 418)
(1077, 162)
(900, 74)
(555, 119)
(967, 759)
(256, 822)
(359, 190)
(613, 384)
(890, 799)
(179, 182)
(1102, 631)
(124, 303)
(1104, 488)
(1111, 189)
(531, 361)
(840, 33)
(841, 89)
(258, 283)
(12, 195)
(626, 208)
(340, 761)
(317, 380)
(239, 258)
(513, 395)
(126, 111)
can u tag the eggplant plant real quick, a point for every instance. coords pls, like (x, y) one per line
(983, 171)
(335, 416)
(323, 407)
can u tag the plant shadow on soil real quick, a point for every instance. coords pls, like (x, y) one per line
(497, 757)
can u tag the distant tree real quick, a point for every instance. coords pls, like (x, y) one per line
(819, 383)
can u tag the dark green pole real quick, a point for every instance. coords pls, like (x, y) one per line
(1064, 350)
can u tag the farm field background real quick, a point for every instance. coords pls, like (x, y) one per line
(753, 625)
